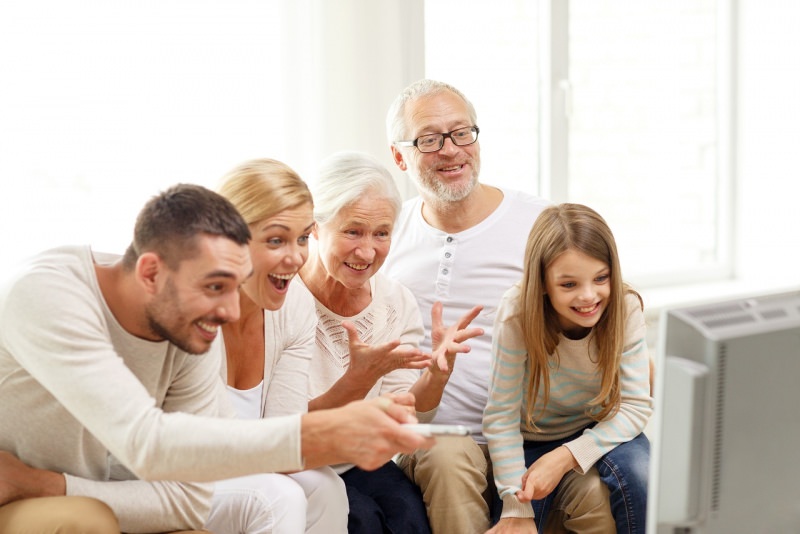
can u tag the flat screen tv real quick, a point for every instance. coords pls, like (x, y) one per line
(725, 456)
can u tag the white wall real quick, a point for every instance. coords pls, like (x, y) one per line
(347, 61)
(105, 102)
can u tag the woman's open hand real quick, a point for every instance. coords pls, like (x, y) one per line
(370, 362)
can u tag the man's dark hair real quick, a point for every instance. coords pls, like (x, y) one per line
(170, 223)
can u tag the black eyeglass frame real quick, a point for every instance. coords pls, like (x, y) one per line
(442, 137)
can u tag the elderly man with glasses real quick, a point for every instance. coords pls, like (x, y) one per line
(461, 242)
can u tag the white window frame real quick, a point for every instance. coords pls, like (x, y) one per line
(554, 99)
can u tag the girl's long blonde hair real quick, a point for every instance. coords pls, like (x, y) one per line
(556, 230)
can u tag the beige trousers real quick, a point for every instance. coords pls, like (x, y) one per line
(456, 481)
(60, 515)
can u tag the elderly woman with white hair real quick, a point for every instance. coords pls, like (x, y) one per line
(369, 328)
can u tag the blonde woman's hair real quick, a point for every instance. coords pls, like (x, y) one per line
(262, 188)
(556, 230)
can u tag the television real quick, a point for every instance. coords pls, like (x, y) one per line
(725, 455)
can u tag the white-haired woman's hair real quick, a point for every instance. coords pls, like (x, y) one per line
(344, 177)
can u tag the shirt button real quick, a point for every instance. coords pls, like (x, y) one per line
(445, 271)
(447, 254)
(449, 239)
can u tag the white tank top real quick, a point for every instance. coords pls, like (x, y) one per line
(246, 402)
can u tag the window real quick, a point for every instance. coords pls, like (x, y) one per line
(633, 98)
(105, 102)
(644, 138)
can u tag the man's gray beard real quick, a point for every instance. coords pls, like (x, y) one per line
(444, 193)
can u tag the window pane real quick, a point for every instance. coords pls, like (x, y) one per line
(643, 143)
(497, 71)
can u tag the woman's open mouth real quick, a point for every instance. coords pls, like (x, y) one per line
(280, 281)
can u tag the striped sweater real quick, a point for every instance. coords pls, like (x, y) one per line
(574, 381)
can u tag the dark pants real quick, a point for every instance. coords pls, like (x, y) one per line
(384, 501)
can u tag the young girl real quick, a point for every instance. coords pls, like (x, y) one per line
(570, 375)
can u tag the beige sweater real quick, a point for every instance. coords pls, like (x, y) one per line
(574, 380)
(80, 395)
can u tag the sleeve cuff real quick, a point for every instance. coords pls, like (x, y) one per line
(585, 455)
(427, 417)
(513, 508)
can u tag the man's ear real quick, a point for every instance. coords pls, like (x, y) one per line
(398, 158)
(148, 267)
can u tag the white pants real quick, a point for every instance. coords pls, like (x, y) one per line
(313, 501)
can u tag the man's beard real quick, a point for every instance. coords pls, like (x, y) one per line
(444, 192)
(167, 305)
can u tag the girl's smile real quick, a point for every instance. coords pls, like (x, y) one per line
(578, 287)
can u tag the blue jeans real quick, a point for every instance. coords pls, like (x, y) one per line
(624, 470)
(384, 501)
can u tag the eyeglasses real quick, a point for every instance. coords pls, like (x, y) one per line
(435, 142)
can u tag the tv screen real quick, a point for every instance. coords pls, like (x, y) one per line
(727, 424)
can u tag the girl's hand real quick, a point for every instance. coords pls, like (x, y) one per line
(514, 525)
(368, 363)
(543, 476)
(448, 341)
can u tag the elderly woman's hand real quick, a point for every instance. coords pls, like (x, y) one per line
(368, 363)
(449, 340)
